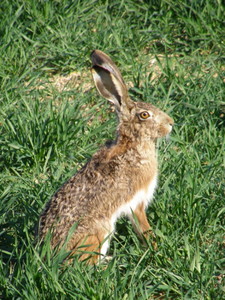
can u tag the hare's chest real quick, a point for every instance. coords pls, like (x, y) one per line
(143, 196)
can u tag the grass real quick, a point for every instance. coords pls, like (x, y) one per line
(173, 52)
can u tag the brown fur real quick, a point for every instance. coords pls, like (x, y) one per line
(113, 176)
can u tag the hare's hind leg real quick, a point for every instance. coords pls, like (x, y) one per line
(91, 248)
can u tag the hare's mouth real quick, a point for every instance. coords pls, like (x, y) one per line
(170, 127)
(167, 129)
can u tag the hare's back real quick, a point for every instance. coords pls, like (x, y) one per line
(89, 193)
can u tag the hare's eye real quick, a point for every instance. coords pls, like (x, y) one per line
(144, 115)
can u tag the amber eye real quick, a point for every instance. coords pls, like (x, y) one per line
(144, 115)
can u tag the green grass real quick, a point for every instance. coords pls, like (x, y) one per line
(173, 52)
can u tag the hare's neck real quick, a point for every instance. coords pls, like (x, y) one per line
(146, 151)
(143, 149)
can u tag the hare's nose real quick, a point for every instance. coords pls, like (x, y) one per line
(171, 122)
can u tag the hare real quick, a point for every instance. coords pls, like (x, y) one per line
(119, 179)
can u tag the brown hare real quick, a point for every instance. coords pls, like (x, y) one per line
(119, 179)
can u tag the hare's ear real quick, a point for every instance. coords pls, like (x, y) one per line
(108, 80)
(109, 86)
(100, 59)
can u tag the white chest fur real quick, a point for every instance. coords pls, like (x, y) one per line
(143, 196)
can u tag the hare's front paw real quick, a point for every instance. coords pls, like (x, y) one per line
(149, 237)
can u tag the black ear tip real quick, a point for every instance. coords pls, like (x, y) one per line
(93, 52)
(92, 56)
(97, 54)
(98, 57)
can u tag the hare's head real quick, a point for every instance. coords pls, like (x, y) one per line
(138, 120)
